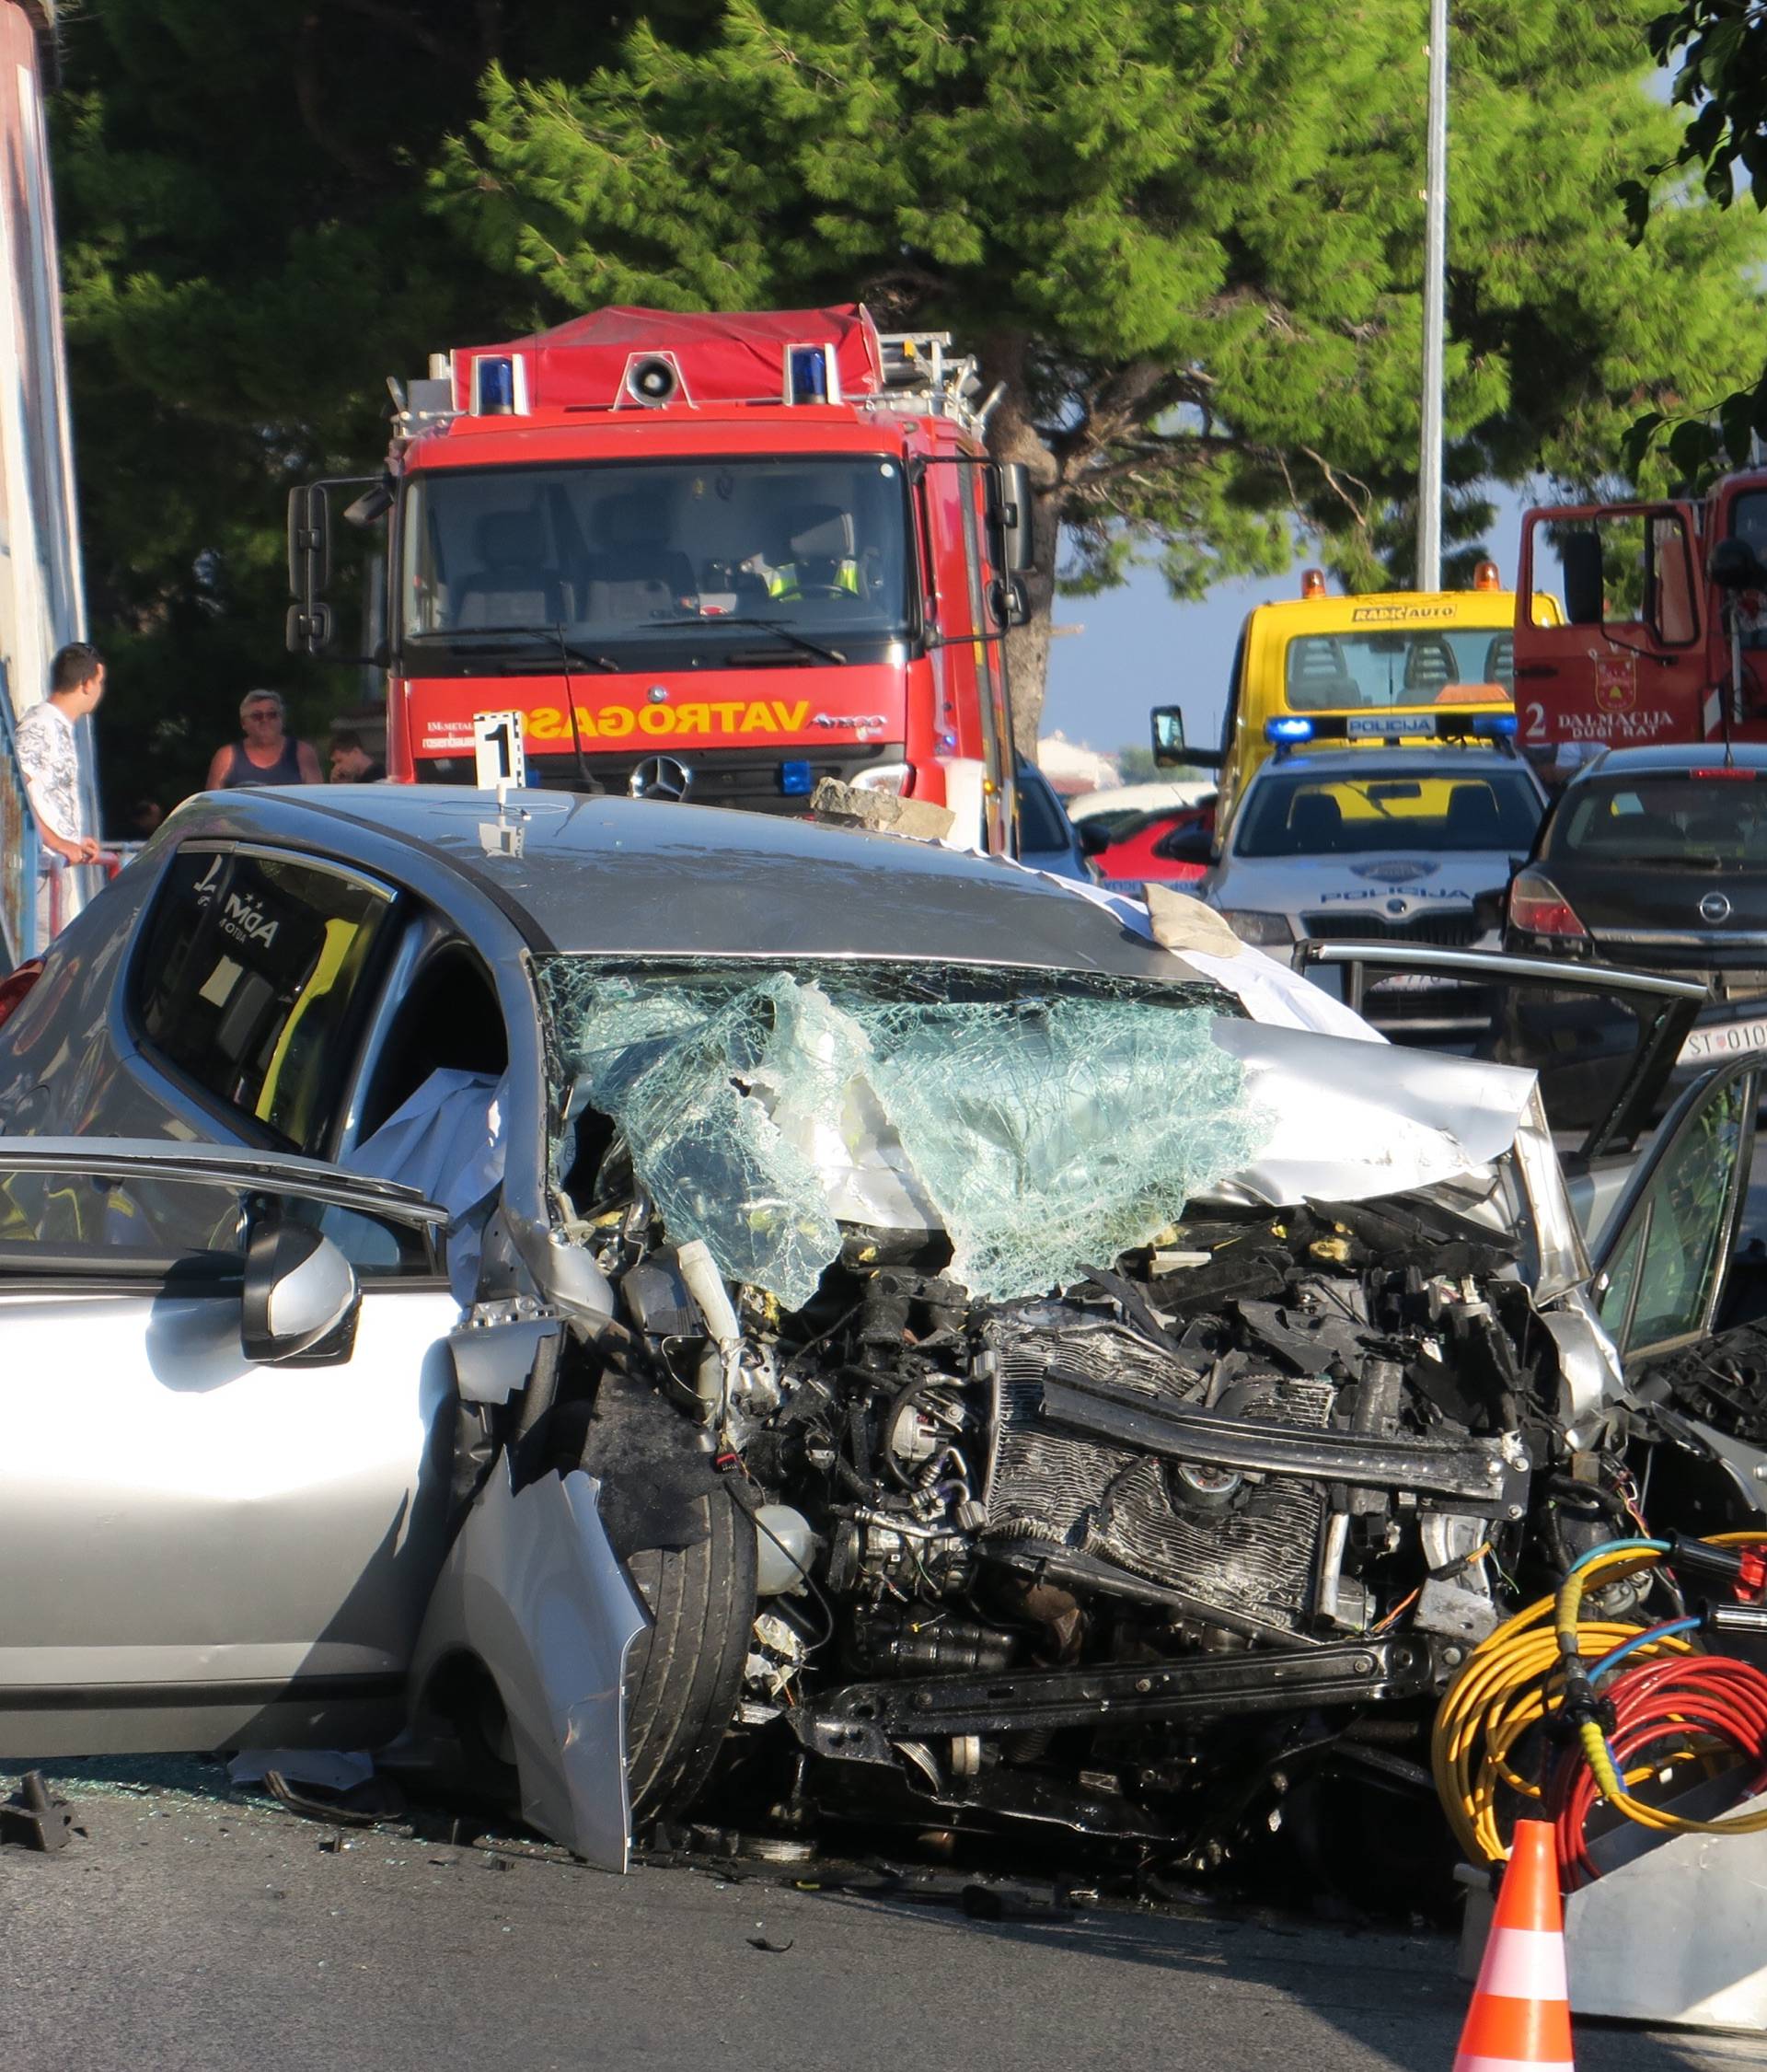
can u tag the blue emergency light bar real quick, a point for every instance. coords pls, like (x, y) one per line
(795, 779)
(495, 381)
(812, 375)
(1289, 732)
(498, 386)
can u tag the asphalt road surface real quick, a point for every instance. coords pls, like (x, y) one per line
(192, 1930)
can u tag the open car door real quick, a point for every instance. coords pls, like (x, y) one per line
(225, 1387)
(1662, 1262)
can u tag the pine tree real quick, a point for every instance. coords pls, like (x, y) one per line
(1188, 239)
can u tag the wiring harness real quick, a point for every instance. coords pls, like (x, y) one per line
(1639, 1703)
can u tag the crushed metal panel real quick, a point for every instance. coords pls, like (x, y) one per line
(1353, 1121)
(533, 1591)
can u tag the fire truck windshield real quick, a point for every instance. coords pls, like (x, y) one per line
(640, 563)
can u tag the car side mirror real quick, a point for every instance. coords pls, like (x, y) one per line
(1735, 566)
(299, 1290)
(1489, 909)
(1167, 722)
(1186, 845)
(1094, 838)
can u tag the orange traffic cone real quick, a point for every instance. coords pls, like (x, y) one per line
(1521, 2011)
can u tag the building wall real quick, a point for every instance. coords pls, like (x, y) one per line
(41, 603)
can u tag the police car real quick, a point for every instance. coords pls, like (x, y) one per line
(1383, 844)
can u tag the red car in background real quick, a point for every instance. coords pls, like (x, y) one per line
(1168, 846)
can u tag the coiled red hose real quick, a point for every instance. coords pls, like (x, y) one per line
(1700, 1702)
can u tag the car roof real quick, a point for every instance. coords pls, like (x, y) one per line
(1671, 757)
(619, 876)
(1391, 762)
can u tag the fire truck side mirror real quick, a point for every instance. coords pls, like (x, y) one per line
(1735, 565)
(1168, 725)
(308, 629)
(1010, 495)
(309, 569)
(1008, 600)
(1579, 555)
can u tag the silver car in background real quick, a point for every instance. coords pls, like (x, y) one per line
(1376, 845)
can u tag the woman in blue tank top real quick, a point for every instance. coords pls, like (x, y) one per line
(266, 755)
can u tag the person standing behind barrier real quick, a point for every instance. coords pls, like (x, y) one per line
(268, 755)
(49, 756)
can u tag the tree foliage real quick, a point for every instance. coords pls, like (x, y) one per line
(248, 251)
(1187, 237)
(1717, 52)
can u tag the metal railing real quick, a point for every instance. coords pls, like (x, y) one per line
(19, 849)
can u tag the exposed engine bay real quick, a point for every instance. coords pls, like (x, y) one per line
(1238, 1500)
(1032, 1555)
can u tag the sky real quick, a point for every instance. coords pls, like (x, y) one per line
(1139, 649)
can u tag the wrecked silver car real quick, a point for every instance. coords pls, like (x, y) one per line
(640, 1306)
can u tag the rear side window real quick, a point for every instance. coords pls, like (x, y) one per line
(251, 982)
(1677, 819)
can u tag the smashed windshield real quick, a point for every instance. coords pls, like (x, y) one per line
(611, 554)
(1043, 1125)
(1294, 815)
(1430, 665)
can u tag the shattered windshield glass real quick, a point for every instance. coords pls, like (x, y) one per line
(1044, 1124)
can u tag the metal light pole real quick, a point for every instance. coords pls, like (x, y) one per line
(1429, 458)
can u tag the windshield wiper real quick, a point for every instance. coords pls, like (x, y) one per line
(473, 635)
(787, 633)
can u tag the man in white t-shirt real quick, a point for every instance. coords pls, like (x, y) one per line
(50, 757)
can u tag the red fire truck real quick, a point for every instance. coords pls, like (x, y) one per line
(712, 556)
(1664, 636)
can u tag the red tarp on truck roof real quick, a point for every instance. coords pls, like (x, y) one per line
(732, 357)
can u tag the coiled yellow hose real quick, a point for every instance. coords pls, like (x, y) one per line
(1508, 1685)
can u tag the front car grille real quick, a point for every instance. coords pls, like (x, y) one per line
(1439, 931)
(749, 779)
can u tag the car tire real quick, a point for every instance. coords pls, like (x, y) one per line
(684, 1674)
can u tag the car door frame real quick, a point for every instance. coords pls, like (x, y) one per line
(1629, 1113)
(1633, 1208)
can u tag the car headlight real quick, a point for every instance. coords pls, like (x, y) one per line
(1264, 931)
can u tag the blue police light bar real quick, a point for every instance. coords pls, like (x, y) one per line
(1501, 724)
(1287, 730)
(795, 779)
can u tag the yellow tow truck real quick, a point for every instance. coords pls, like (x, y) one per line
(1392, 666)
